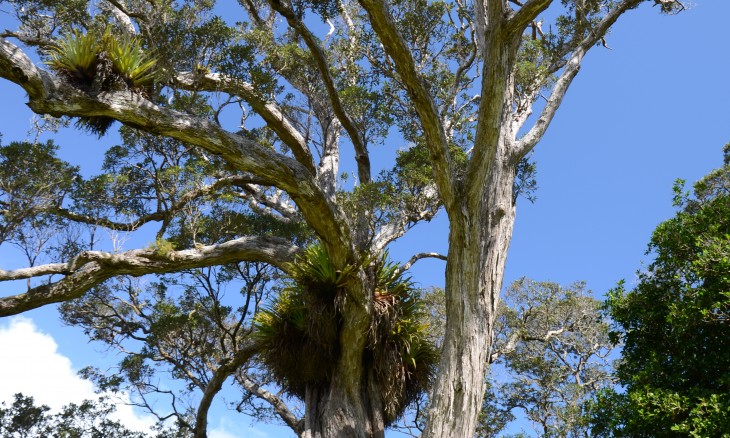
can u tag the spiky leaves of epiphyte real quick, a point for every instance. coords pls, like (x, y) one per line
(76, 56)
(135, 66)
(82, 58)
(102, 61)
(404, 356)
(298, 335)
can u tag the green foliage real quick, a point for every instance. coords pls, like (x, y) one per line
(130, 61)
(403, 352)
(494, 415)
(81, 58)
(184, 326)
(102, 61)
(197, 198)
(76, 56)
(550, 353)
(525, 184)
(25, 198)
(304, 320)
(326, 9)
(163, 247)
(673, 324)
(90, 419)
(532, 67)
(553, 344)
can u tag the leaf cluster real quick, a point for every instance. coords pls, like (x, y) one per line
(33, 182)
(298, 334)
(550, 355)
(102, 61)
(185, 327)
(89, 419)
(674, 324)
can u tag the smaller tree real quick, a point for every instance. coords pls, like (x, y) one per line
(90, 419)
(553, 346)
(675, 325)
(550, 358)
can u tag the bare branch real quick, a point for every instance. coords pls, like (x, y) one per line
(227, 368)
(398, 227)
(91, 268)
(421, 255)
(361, 153)
(511, 345)
(272, 202)
(269, 111)
(533, 136)
(281, 409)
(118, 6)
(122, 15)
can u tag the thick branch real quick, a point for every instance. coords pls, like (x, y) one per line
(91, 268)
(34, 271)
(16, 67)
(361, 153)
(269, 111)
(500, 54)
(49, 95)
(436, 140)
(228, 368)
(122, 15)
(526, 14)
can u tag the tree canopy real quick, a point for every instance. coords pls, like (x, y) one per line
(245, 143)
(673, 325)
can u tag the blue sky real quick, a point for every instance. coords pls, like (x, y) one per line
(652, 109)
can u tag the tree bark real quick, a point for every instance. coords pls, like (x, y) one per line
(337, 412)
(478, 247)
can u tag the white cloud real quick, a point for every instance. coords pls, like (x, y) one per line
(31, 364)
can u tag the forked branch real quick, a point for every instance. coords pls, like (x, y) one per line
(361, 153)
(533, 136)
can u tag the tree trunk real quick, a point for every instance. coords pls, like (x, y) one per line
(336, 413)
(350, 405)
(478, 246)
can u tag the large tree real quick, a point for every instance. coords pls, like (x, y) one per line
(306, 81)
(675, 364)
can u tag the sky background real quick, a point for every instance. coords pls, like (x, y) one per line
(651, 109)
